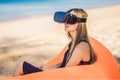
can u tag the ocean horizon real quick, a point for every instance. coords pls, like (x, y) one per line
(13, 9)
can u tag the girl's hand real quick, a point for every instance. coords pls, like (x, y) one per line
(43, 67)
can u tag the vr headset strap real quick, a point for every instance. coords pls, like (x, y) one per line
(82, 19)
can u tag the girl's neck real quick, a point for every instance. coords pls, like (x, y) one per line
(73, 34)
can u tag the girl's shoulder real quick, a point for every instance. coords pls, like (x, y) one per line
(84, 49)
(83, 45)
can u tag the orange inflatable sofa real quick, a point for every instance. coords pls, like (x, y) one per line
(105, 68)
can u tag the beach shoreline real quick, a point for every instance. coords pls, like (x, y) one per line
(51, 13)
(25, 38)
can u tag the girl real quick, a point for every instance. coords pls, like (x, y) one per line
(79, 50)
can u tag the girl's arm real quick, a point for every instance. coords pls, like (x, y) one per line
(80, 53)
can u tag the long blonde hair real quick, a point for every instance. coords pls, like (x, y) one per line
(81, 33)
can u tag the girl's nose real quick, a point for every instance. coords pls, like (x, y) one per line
(66, 23)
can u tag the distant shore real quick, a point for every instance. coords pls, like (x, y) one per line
(26, 38)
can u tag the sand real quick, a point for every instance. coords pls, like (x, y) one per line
(38, 38)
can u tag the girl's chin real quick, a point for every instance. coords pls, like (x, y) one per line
(68, 30)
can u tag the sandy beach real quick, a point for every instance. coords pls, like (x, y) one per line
(38, 38)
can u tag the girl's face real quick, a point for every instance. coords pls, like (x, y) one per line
(70, 27)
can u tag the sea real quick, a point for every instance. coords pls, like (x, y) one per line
(13, 9)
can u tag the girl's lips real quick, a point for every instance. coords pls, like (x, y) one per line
(66, 26)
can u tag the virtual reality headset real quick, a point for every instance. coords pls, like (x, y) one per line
(63, 17)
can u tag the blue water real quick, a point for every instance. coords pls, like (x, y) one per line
(12, 9)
